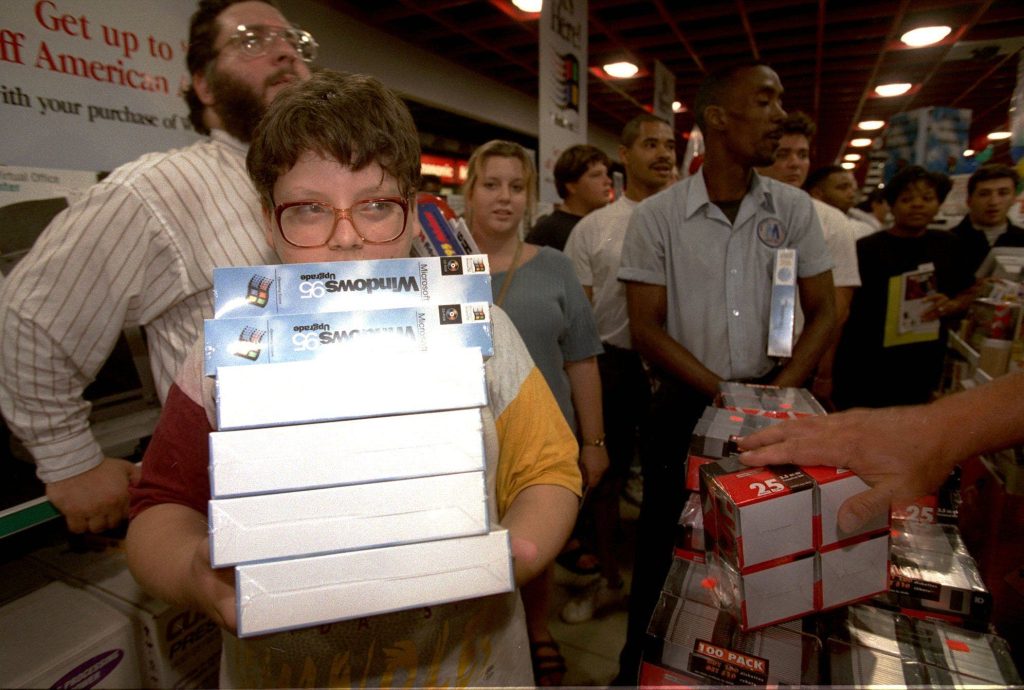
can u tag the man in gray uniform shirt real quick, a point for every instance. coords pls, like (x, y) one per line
(139, 249)
(698, 264)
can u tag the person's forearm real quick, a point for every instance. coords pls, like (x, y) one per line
(160, 545)
(542, 515)
(980, 420)
(665, 353)
(844, 295)
(585, 384)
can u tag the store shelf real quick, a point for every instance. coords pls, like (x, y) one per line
(972, 357)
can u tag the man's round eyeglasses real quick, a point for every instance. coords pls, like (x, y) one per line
(254, 41)
(310, 224)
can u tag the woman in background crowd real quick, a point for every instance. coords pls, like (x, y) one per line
(539, 290)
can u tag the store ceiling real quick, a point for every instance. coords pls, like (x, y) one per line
(829, 55)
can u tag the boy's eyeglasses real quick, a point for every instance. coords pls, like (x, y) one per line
(310, 224)
(254, 41)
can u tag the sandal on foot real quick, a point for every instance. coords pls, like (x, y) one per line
(548, 667)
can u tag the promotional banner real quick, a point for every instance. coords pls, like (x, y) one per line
(562, 106)
(88, 85)
(664, 93)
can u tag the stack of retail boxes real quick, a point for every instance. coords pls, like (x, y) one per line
(348, 472)
(747, 608)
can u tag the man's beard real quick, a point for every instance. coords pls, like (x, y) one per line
(237, 105)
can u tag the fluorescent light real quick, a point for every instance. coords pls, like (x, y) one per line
(848, 165)
(925, 36)
(860, 143)
(871, 124)
(996, 136)
(528, 5)
(621, 70)
(851, 157)
(889, 90)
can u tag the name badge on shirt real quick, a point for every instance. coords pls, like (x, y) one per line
(771, 232)
(780, 323)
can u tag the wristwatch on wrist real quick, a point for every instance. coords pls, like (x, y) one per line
(597, 442)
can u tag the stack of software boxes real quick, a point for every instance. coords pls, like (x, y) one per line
(737, 613)
(348, 472)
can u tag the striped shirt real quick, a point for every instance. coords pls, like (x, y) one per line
(137, 249)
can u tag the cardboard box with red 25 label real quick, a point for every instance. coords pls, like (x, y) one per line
(774, 546)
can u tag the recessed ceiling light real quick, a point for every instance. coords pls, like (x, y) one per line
(677, 106)
(528, 5)
(925, 36)
(889, 90)
(996, 136)
(848, 165)
(860, 143)
(968, 153)
(621, 70)
(871, 124)
(851, 157)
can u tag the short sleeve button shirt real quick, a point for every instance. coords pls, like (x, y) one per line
(717, 274)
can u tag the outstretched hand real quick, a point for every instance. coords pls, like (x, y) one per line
(894, 450)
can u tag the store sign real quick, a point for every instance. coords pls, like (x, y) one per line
(90, 85)
(664, 93)
(452, 171)
(562, 105)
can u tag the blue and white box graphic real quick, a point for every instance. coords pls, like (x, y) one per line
(350, 285)
(299, 337)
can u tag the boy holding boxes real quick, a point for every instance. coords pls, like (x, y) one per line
(345, 142)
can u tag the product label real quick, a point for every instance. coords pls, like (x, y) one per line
(727, 666)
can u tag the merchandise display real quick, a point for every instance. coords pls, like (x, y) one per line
(441, 232)
(873, 647)
(768, 401)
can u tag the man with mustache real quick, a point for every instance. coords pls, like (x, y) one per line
(138, 249)
(698, 265)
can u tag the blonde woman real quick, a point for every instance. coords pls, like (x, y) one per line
(538, 288)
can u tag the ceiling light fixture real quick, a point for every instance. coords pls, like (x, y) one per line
(890, 90)
(848, 165)
(925, 36)
(860, 143)
(621, 70)
(871, 124)
(968, 153)
(852, 157)
(997, 136)
(677, 106)
(532, 6)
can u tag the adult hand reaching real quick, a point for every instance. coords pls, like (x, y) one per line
(97, 499)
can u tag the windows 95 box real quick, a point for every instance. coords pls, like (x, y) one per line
(354, 451)
(299, 337)
(350, 285)
(281, 595)
(345, 518)
(370, 385)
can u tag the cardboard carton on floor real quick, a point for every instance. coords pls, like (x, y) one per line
(61, 636)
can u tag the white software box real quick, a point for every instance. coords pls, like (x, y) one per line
(62, 637)
(309, 591)
(345, 518)
(355, 451)
(370, 386)
(176, 648)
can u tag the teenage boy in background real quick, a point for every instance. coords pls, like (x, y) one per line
(991, 191)
(332, 143)
(138, 249)
(581, 178)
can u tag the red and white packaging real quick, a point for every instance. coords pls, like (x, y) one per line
(835, 485)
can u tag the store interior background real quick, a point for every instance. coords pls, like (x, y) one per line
(468, 70)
